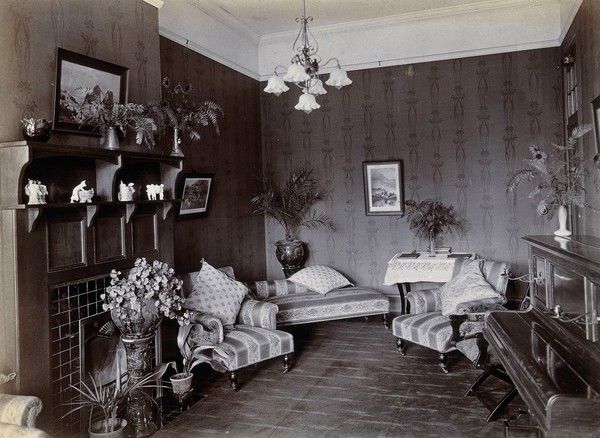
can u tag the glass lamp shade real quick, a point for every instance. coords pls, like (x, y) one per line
(307, 103)
(295, 73)
(276, 85)
(316, 87)
(338, 78)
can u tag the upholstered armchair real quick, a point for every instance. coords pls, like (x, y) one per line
(243, 335)
(18, 414)
(476, 286)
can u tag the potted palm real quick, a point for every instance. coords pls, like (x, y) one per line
(181, 116)
(429, 218)
(182, 382)
(110, 400)
(558, 178)
(290, 204)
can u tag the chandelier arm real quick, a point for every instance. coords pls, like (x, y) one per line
(279, 66)
(337, 61)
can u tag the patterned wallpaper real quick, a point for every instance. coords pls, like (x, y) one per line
(460, 126)
(117, 31)
(229, 234)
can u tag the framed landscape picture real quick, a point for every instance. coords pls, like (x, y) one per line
(384, 190)
(79, 78)
(195, 192)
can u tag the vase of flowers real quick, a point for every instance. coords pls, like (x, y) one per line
(138, 302)
(429, 218)
(181, 116)
(99, 109)
(558, 178)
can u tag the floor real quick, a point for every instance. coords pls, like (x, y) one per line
(347, 380)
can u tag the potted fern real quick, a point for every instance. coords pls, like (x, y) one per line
(181, 116)
(429, 218)
(291, 205)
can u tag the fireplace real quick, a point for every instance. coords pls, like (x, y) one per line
(83, 341)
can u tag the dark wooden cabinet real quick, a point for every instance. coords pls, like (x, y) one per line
(56, 257)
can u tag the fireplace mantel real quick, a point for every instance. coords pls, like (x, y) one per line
(60, 245)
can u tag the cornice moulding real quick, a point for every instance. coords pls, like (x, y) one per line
(226, 20)
(156, 3)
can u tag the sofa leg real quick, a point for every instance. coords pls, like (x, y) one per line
(386, 321)
(233, 381)
(287, 363)
(443, 357)
(401, 346)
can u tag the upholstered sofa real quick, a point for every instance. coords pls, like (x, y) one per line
(299, 304)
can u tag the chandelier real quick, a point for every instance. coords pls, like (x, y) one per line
(304, 70)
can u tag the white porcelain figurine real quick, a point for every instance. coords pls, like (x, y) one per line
(76, 190)
(125, 192)
(36, 191)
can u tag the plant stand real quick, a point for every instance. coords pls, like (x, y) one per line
(140, 418)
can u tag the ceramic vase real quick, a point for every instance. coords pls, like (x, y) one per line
(97, 427)
(182, 386)
(176, 151)
(562, 215)
(140, 417)
(137, 333)
(290, 253)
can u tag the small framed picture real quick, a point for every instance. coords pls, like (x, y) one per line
(78, 77)
(195, 193)
(384, 190)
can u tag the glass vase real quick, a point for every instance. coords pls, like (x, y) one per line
(431, 249)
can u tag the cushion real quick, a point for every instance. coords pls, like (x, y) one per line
(274, 288)
(319, 278)
(468, 285)
(215, 293)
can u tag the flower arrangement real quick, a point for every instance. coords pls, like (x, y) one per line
(154, 281)
(558, 176)
(429, 218)
(98, 108)
(178, 112)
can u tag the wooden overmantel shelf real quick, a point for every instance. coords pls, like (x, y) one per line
(35, 212)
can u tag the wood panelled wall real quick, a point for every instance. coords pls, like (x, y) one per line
(584, 34)
(229, 234)
(460, 126)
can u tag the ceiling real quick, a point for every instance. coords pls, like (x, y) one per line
(252, 36)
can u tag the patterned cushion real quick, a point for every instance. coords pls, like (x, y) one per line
(310, 306)
(246, 345)
(431, 330)
(320, 278)
(468, 285)
(258, 314)
(274, 288)
(215, 293)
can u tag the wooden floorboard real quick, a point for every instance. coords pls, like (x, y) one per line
(348, 380)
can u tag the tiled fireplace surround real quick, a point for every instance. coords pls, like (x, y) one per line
(70, 304)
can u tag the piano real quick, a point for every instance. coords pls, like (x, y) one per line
(551, 350)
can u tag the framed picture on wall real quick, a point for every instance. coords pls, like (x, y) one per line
(384, 189)
(195, 193)
(80, 79)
